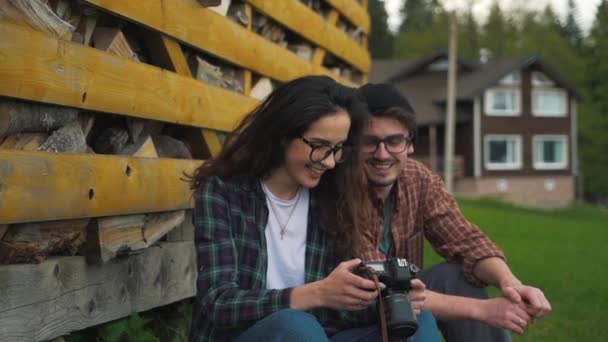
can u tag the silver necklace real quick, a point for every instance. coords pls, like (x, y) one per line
(274, 212)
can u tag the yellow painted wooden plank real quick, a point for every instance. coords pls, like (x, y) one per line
(34, 66)
(354, 11)
(213, 142)
(307, 23)
(176, 55)
(40, 186)
(320, 52)
(191, 23)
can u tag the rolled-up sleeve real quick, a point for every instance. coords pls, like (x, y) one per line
(451, 235)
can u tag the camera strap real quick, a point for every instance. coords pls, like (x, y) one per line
(383, 327)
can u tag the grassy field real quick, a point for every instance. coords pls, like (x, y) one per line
(563, 252)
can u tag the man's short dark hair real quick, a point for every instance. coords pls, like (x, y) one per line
(385, 100)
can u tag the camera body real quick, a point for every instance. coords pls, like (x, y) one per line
(396, 274)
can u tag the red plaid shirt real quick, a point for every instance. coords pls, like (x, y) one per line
(422, 207)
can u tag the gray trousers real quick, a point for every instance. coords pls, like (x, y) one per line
(447, 278)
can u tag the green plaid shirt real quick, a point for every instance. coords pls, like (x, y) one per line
(230, 218)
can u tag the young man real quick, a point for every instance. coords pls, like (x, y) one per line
(410, 203)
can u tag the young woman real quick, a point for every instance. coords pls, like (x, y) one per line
(275, 213)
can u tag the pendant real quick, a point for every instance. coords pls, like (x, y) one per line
(282, 233)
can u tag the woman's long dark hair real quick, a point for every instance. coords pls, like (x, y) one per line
(256, 148)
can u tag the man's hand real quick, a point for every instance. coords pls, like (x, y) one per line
(533, 299)
(417, 295)
(503, 313)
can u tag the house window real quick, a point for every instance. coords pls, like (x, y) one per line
(550, 152)
(549, 102)
(503, 152)
(502, 102)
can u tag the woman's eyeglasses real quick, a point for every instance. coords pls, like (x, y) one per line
(320, 151)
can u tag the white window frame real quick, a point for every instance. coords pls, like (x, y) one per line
(563, 113)
(517, 165)
(488, 101)
(541, 165)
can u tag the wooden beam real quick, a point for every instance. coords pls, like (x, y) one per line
(176, 55)
(40, 302)
(213, 142)
(301, 19)
(41, 68)
(354, 12)
(321, 52)
(248, 73)
(218, 36)
(38, 186)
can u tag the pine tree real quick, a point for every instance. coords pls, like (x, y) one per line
(571, 30)
(593, 116)
(381, 39)
(418, 15)
(468, 37)
(496, 33)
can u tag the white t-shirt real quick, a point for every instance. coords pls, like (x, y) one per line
(286, 257)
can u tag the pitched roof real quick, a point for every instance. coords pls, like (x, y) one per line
(426, 90)
(384, 69)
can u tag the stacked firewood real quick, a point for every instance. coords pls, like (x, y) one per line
(28, 126)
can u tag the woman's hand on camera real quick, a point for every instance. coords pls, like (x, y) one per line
(343, 290)
(417, 295)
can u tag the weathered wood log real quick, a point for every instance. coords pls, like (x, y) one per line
(20, 116)
(196, 143)
(303, 50)
(112, 140)
(86, 26)
(42, 301)
(112, 40)
(209, 73)
(136, 127)
(24, 141)
(3, 229)
(261, 89)
(219, 6)
(34, 242)
(168, 147)
(208, 3)
(111, 237)
(158, 225)
(66, 139)
(237, 13)
(36, 13)
(184, 231)
(86, 122)
(144, 148)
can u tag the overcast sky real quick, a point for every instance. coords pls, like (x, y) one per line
(586, 8)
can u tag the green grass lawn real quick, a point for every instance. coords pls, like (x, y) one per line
(563, 252)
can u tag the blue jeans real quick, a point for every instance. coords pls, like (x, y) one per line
(300, 326)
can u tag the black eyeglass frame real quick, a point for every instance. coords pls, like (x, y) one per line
(331, 150)
(407, 138)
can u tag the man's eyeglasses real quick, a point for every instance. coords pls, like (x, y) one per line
(393, 143)
(320, 151)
